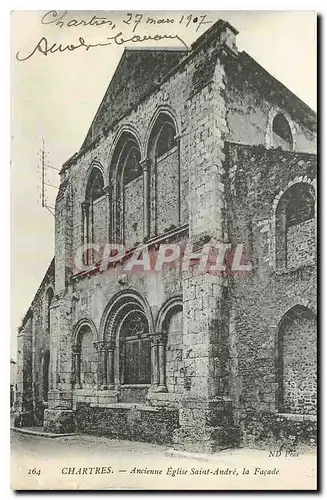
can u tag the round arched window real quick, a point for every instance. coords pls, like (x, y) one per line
(281, 133)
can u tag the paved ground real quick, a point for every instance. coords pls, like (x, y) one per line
(81, 445)
(88, 462)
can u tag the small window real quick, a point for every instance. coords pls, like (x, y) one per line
(281, 132)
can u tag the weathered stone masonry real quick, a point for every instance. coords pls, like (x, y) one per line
(211, 149)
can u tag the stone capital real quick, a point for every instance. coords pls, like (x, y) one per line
(145, 164)
(100, 345)
(154, 340)
(111, 344)
(159, 338)
(85, 205)
(111, 186)
(76, 349)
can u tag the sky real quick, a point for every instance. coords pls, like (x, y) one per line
(55, 98)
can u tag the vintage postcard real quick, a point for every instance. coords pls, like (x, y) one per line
(164, 195)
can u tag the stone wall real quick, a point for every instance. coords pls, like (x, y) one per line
(301, 244)
(24, 396)
(278, 431)
(100, 221)
(252, 102)
(133, 217)
(299, 365)
(89, 360)
(174, 354)
(255, 180)
(168, 191)
(169, 98)
(33, 341)
(131, 422)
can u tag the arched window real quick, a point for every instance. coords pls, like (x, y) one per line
(136, 349)
(95, 185)
(300, 207)
(281, 133)
(131, 167)
(45, 375)
(49, 297)
(166, 139)
(127, 204)
(164, 176)
(93, 214)
(297, 362)
(128, 339)
(295, 227)
(85, 359)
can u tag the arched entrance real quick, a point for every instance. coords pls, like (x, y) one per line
(297, 362)
(135, 348)
(169, 328)
(127, 347)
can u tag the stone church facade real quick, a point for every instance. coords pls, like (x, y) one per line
(187, 148)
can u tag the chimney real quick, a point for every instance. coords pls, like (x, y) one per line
(227, 37)
(222, 34)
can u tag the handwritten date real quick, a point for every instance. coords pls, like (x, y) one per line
(61, 20)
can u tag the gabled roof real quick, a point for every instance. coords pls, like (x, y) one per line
(137, 73)
(265, 81)
(140, 71)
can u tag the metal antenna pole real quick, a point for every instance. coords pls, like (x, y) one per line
(44, 166)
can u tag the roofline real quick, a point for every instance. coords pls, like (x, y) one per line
(217, 27)
(258, 148)
(195, 48)
(126, 49)
(282, 88)
(29, 311)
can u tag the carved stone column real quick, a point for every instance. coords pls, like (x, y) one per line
(86, 230)
(162, 363)
(103, 364)
(180, 199)
(111, 365)
(109, 193)
(145, 164)
(154, 363)
(77, 366)
(101, 347)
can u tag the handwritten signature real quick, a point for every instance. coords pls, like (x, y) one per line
(46, 48)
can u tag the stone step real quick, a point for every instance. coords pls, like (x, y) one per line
(35, 431)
